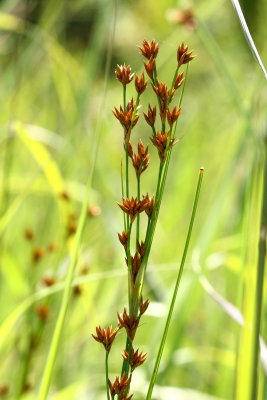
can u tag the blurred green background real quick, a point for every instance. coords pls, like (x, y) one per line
(55, 114)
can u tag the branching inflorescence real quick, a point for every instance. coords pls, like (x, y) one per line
(136, 250)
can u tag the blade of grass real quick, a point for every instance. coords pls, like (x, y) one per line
(48, 370)
(164, 336)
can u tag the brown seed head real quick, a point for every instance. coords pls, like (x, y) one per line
(179, 80)
(136, 358)
(173, 115)
(4, 389)
(149, 49)
(48, 281)
(140, 83)
(149, 205)
(141, 247)
(105, 336)
(149, 67)
(136, 262)
(28, 234)
(127, 119)
(164, 96)
(162, 144)
(183, 55)
(140, 160)
(123, 238)
(132, 207)
(42, 312)
(184, 17)
(38, 254)
(143, 306)
(150, 117)
(119, 385)
(64, 195)
(129, 322)
(124, 74)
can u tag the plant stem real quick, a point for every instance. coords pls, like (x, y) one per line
(259, 282)
(138, 215)
(164, 336)
(122, 194)
(106, 368)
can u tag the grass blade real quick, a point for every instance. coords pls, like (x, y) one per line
(164, 336)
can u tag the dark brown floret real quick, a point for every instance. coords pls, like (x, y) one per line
(150, 67)
(123, 238)
(127, 118)
(162, 143)
(173, 115)
(183, 55)
(38, 254)
(178, 80)
(120, 385)
(165, 96)
(48, 281)
(124, 74)
(141, 247)
(140, 160)
(143, 306)
(150, 117)
(132, 207)
(149, 49)
(136, 358)
(42, 312)
(136, 262)
(149, 205)
(105, 336)
(140, 83)
(28, 234)
(129, 322)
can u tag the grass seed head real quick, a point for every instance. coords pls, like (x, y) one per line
(124, 74)
(105, 336)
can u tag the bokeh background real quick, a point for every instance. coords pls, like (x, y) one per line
(57, 90)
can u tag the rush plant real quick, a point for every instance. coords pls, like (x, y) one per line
(162, 120)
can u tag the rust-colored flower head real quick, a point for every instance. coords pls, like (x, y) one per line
(136, 262)
(164, 96)
(132, 207)
(150, 66)
(173, 115)
(48, 281)
(136, 358)
(184, 17)
(28, 234)
(162, 143)
(127, 119)
(129, 322)
(141, 248)
(123, 238)
(38, 254)
(140, 83)
(149, 205)
(149, 49)
(124, 74)
(42, 312)
(119, 385)
(183, 55)
(140, 160)
(143, 306)
(178, 80)
(105, 336)
(150, 117)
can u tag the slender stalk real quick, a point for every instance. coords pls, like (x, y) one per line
(122, 193)
(106, 368)
(138, 216)
(51, 358)
(177, 284)
(259, 282)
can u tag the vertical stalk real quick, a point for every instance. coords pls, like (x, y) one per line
(177, 284)
(259, 281)
(106, 368)
(138, 215)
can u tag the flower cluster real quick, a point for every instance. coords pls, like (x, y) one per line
(134, 206)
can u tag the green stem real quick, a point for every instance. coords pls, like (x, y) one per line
(259, 282)
(106, 368)
(138, 215)
(122, 194)
(164, 336)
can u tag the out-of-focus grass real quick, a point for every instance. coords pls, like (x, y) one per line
(52, 68)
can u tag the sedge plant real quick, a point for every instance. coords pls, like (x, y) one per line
(163, 116)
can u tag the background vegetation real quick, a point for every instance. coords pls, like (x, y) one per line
(55, 111)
